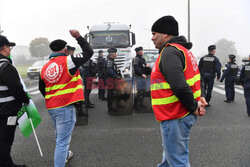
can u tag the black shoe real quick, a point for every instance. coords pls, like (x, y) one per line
(227, 101)
(19, 166)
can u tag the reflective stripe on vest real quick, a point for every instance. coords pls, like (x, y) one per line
(172, 99)
(61, 86)
(5, 88)
(7, 99)
(66, 91)
(165, 85)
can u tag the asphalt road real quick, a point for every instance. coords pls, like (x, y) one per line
(219, 139)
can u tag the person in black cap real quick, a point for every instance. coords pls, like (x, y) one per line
(175, 90)
(210, 66)
(229, 74)
(140, 67)
(101, 75)
(245, 82)
(12, 96)
(70, 50)
(60, 83)
(112, 73)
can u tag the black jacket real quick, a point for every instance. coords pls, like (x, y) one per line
(9, 77)
(76, 60)
(171, 65)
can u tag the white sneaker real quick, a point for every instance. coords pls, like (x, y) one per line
(70, 155)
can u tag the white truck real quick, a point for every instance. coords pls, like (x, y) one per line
(119, 36)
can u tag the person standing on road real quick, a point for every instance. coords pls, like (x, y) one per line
(12, 96)
(112, 76)
(245, 81)
(60, 83)
(175, 91)
(101, 75)
(140, 67)
(88, 75)
(229, 74)
(209, 65)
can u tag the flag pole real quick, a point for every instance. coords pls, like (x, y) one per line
(36, 137)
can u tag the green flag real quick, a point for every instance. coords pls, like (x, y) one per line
(27, 112)
(23, 116)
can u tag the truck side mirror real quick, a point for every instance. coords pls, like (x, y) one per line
(133, 39)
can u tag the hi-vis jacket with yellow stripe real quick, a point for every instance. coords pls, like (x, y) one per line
(61, 88)
(165, 104)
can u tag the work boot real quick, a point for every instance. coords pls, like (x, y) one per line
(227, 101)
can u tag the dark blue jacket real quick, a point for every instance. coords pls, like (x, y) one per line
(244, 75)
(216, 66)
(139, 65)
(111, 69)
(228, 71)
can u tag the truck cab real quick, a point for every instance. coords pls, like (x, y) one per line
(119, 36)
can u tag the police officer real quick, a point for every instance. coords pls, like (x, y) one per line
(209, 66)
(12, 96)
(112, 74)
(88, 75)
(245, 81)
(101, 75)
(140, 67)
(229, 75)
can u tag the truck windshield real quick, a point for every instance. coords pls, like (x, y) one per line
(108, 39)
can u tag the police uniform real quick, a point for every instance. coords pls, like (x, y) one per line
(229, 74)
(245, 81)
(139, 66)
(112, 73)
(88, 74)
(209, 65)
(101, 75)
(12, 96)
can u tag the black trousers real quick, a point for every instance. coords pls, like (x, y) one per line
(7, 134)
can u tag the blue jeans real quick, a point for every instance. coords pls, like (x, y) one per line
(64, 119)
(175, 136)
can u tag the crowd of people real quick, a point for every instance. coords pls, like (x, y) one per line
(180, 89)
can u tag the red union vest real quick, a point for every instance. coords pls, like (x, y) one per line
(61, 88)
(165, 104)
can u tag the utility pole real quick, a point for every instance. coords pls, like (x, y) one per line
(1, 30)
(188, 20)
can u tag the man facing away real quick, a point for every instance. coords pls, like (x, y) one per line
(175, 91)
(209, 65)
(60, 84)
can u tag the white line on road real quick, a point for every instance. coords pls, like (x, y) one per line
(219, 91)
(236, 90)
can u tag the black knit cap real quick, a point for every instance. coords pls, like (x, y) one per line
(57, 45)
(166, 25)
(211, 47)
(112, 50)
(138, 49)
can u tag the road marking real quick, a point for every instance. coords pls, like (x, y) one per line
(236, 90)
(35, 92)
(219, 91)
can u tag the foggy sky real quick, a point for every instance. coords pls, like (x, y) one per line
(24, 20)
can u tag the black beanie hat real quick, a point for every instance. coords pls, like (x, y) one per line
(166, 25)
(57, 45)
